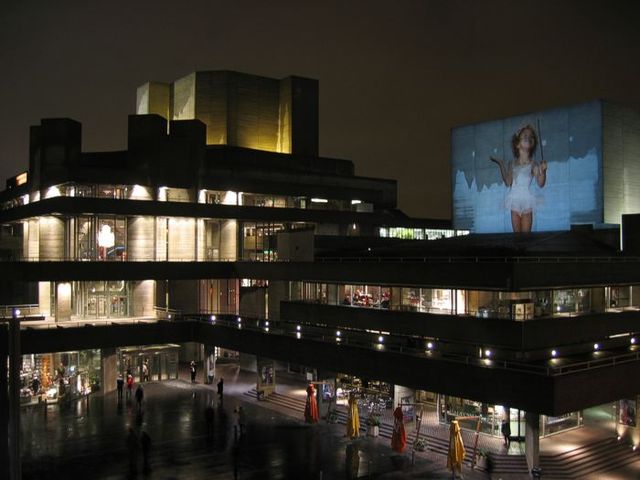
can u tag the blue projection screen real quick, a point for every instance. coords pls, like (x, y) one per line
(568, 142)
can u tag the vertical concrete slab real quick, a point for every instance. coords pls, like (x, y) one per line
(532, 439)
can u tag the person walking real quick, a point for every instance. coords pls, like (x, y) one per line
(145, 371)
(192, 368)
(139, 396)
(120, 385)
(145, 442)
(220, 387)
(505, 428)
(129, 385)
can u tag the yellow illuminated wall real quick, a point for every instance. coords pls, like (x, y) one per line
(154, 97)
(240, 109)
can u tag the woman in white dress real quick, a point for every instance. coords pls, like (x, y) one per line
(518, 175)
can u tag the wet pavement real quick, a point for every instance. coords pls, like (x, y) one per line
(89, 439)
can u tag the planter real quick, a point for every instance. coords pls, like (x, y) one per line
(373, 430)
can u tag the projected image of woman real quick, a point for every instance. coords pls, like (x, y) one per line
(519, 174)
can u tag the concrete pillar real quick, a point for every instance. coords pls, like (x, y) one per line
(15, 467)
(143, 298)
(4, 402)
(248, 362)
(277, 291)
(51, 245)
(109, 369)
(44, 298)
(532, 439)
(209, 362)
(63, 302)
(140, 238)
(181, 239)
(161, 238)
(200, 240)
(396, 298)
(229, 240)
(32, 239)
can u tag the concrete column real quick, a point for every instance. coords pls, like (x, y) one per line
(140, 238)
(51, 238)
(15, 467)
(277, 291)
(161, 239)
(44, 298)
(229, 240)
(143, 298)
(32, 239)
(200, 240)
(4, 402)
(248, 362)
(532, 439)
(209, 362)
(63, 302)
(109, 369)
(182, 239)
(396, 297)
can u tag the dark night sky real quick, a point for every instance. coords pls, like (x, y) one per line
(395, 76)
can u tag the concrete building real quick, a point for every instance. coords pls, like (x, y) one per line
(221, 214)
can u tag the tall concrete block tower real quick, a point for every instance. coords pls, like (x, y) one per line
(241, 110)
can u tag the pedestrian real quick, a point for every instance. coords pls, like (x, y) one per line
(129, 385)
(139, 396)
(145, 371)
(506, 432)
(132, 450)
(220, 386)
(210, 375)
(120, 385)
(192, 368)
(145, 442)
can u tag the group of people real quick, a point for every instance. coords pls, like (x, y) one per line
(366, 300)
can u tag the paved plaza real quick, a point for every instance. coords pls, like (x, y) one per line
(193, 435)
(89, 439)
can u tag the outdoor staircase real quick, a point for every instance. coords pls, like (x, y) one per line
(587, 461)
(597, 457)
(583, 462)
(434, 443)
(286, 401)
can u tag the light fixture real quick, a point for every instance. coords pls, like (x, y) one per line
(356, 202)
(633, 340)
(298, 335)
(429, 345)
(239, 320)
(596, 346)
(266, 323)
(554, 353)
(381, 339)
(487, 353)
(213, 318)
(298, 327)
(338, 333)
(319, 200)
